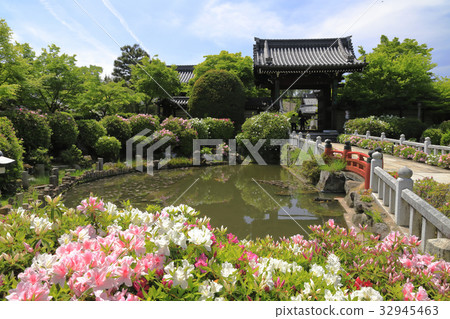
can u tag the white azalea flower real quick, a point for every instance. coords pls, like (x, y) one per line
(44, 261)
(163, 245)
(40, 225)
(317, 270)
(208, 288)
(180, 275)
(366, 293)
(200, 237)
(65, 239)
(227, 269)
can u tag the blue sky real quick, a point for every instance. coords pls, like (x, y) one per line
(183, 31)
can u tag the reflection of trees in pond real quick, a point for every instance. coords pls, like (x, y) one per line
(252, 194)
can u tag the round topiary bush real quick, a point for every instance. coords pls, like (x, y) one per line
(434, 134)
(219, 94)
(445, 139)
(33, 128)
(186, 142)
(140, 122)
(219, 128)
(371, 123)
(118, 127)
(108, 147)
(266, 126)
(89, 133)
(64, 130)
(11, 147)
(176, 125)
(411, 127)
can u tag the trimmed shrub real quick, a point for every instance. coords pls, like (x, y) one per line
(186, 142)
(90, 132)
(434, 134)
(371, 123)
(64, 130)
(40, 156)
(33, 128)
(445, 126)
(72, 156)
(264, 126)
(140, 122)
(117, 127)
(176, 125)
(200, 126)
(219, 94)
(411, 127)
(219, 128)
(445, 139)
(11, 147)
(108, 147)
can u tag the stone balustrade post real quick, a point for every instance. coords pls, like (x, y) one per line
(356, 132)
(383, 136)
(402, 139)
(318, 142)
(377, 161)
(426, 145)
(328, 148)
(404, 181)
(368, 134)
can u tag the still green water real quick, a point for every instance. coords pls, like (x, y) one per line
(251, 200)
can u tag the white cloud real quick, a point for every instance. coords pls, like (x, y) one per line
(221, 21)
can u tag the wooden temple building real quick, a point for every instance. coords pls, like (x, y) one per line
(314, 64)
(291, 64)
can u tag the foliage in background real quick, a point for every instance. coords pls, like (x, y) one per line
(108, 147)
(64, 131)
(11, 147)
(435, 135)
(219, 128)
(140, 122)
(445, 139)
(435, 193)
(218, 94)
(397, 76)
(131, 55)
(89, 133)
(200, 126)
(371, 123)
(33, 128)
(71, 156)
(265, 126)
(117, 127)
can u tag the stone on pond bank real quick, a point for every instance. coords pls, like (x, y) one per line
(331, 182)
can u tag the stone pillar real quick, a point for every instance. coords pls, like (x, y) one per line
(426, 145)
(53, 180)
(100, 164)
(318, 142)
(368, 134)
(347, 149)
(377, 161)
(402, 139)
(404, 181)
(55, 172)
(25, 180)
(439, 247)
(383, 136)
(40, 169)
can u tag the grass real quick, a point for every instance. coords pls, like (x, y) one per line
(336, 165)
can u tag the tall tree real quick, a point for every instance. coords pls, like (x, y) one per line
(397, 78)
(131, 55)
(234, 63)
(57, 80)
(13, 65)
(103, 97)
(154, 80)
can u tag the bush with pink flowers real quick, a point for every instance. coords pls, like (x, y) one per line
(101, 252)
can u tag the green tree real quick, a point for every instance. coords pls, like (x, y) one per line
(396, 79)
(131, 55)
(441, 102)
(13, 65)
(234, 63)
(153, 79)
(103, 97)
(220, 94)
(56, 80)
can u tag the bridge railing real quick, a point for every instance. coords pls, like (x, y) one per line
(409, 210)
(426, 146)
(297, 140)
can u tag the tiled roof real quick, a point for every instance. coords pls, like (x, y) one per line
(314, 55)
(181, 100)
(185, 72)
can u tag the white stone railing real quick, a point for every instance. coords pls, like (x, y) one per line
(426, 146)
(409, 210)
(307, 143)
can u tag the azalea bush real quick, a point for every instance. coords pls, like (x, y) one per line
(140, 122)
(371, 123)
(101, 252)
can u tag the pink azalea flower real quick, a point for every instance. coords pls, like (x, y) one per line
(421, 295)
(31, 292)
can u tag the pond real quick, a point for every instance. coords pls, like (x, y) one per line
(251, 200)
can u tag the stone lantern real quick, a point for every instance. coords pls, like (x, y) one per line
(3, 162)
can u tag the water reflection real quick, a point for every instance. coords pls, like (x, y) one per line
(227, 194)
